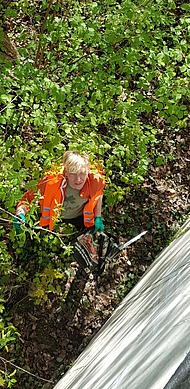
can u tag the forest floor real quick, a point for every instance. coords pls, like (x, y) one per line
(53, 334)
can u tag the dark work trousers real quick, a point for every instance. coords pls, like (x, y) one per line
(78, 222)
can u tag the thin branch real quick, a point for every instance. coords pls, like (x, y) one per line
(41, 32)
(8, 213)
(5, 220)
(41, 55)
(67, 13)
(53, 233)
(25, 371)
(38, 228)
(9, 103)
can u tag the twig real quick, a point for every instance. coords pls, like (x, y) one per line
(6, 105)
(53, 233)
(8, 213)
(41, 32)
(5, 220)
(25, 371)
(38, 228)
(67, 13)
(186, 201)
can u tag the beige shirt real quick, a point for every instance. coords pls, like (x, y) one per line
(73, 204)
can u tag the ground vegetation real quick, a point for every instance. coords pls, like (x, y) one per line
(110, 78)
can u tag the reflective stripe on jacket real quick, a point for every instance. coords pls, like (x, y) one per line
(54, 195)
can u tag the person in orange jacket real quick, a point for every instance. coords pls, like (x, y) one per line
(73, 194)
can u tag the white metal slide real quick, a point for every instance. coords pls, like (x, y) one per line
(148, 335)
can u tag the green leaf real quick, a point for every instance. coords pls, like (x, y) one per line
(185, 7)
(159, 160)
(2, 381)
(183, 68)
(4, 278)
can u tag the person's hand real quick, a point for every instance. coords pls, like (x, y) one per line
(98, 224)
(18, 221)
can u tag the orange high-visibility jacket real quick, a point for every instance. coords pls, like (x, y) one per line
(52, 190)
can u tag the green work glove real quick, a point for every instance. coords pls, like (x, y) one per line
(98, 224)
(18, 221)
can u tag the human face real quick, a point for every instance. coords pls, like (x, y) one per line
(77, 180)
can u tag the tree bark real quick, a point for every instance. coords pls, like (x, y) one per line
(8, 50)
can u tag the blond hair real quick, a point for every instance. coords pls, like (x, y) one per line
(74, 162)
